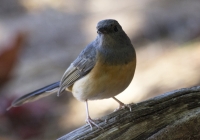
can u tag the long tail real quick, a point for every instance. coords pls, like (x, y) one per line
(35, 95)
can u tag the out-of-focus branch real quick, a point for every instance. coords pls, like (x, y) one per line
(8, 55)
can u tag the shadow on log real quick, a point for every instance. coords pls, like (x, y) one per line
(173, 115)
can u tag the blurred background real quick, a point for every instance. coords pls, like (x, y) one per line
(39, 40)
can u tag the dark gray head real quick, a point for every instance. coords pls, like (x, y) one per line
(113, 45)
(108, 26)
(111, 34)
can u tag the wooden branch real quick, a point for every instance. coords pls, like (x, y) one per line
(173, 115)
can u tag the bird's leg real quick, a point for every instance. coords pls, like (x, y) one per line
(88, 119)
(121, 105)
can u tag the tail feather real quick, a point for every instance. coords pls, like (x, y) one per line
(35, 95)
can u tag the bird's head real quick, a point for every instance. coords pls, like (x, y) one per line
(108, 26)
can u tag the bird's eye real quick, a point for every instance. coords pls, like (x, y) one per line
(115, 29)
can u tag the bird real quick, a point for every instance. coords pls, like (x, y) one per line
(103, 69)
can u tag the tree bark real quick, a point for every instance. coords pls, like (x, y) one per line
(173, 115)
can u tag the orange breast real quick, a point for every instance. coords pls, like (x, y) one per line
(104, 81)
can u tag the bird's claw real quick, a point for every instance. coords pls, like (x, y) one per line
(123, 106)
(92, 123)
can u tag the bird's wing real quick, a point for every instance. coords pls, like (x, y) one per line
(35, 95)
(81, 66)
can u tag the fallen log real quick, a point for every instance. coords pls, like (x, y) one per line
(170, 116)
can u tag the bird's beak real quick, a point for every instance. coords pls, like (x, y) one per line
(102, 30)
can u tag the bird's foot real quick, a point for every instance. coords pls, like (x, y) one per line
(92, 123)
(123, 106)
